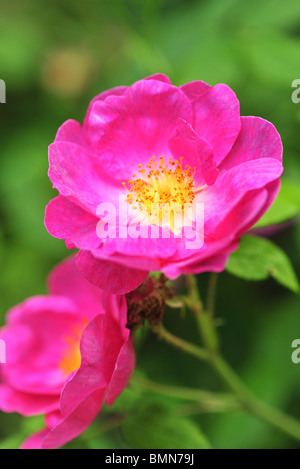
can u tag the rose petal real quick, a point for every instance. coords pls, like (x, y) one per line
(217, 119)
(66, 220)
(65, 279)
(129, 130)
(108, 275)
(195, 151)
(258, 138)
(124, 367)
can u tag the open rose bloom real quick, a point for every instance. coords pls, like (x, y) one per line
(66, 353)
(155, 143)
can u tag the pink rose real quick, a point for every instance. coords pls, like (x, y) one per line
(65, 353)
(154, 143)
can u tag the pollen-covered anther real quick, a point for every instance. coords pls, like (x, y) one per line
(161, 182)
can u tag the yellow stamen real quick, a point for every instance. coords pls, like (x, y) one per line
(161, 183)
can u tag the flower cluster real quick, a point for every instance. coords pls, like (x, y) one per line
(157, 178)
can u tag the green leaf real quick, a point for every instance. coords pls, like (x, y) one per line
(258, 258)
(153, 427)
(285, 207)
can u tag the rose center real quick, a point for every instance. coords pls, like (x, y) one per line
(161, 183)
(71, 356)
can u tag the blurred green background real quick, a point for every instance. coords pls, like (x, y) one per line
(55, 57)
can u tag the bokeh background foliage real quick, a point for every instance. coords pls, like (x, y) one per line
(54, 57)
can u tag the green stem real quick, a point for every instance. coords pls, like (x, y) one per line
(275, 417)
(210, 401)
(194, 408)
(211, 294)
(193, 299)
(249, 402)
(181, 344)
(204, 320)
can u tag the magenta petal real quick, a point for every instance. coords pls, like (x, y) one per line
(72, 173)
(116, 308)
(159, 77)
(77, 174)
(66, 280)
(217, 119)
(145, 263)
(129, 130)
(12, 400)
(117, 91)
(233, 185)
(214, 263)
(118, 350)
(108, 275)
(123, 369)
(90, 377)
(258, 138)
(115, 335)
(272, 190)
(34, 338)
(195, 89)
(71, 131)
(66, 220)
(35, 441)
(83, 394)
(76, 422)
(195, 151)
(160, 247)
(244, 214)
(53, 418)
